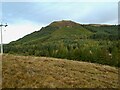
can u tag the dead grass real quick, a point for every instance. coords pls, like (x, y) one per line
(42, 72)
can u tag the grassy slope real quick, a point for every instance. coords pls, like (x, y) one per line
(27, 71)
(67, 39)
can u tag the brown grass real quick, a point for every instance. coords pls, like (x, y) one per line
(42, 72)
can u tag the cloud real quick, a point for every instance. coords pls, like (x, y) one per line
(15, 31)
(59, 0)
(26, 17)
(0, 11)
(101, 13)
(48, 12)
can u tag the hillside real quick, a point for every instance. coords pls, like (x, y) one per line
(70, 40)
(43, 72)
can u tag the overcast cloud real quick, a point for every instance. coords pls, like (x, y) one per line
(26, 17)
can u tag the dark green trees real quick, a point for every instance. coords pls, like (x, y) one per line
(97, 44)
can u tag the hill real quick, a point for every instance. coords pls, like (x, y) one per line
(44, 72)
(70, 40)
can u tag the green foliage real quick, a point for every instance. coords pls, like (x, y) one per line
(97, 44)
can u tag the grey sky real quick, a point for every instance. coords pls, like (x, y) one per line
(45, 12)
(26, 17)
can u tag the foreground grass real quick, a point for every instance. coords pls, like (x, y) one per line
(42, 72)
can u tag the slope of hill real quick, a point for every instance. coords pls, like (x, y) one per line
(70, 40)
(43, 72)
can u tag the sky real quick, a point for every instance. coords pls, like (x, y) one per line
(26, 17)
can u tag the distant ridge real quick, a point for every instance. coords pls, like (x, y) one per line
(98, 24)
